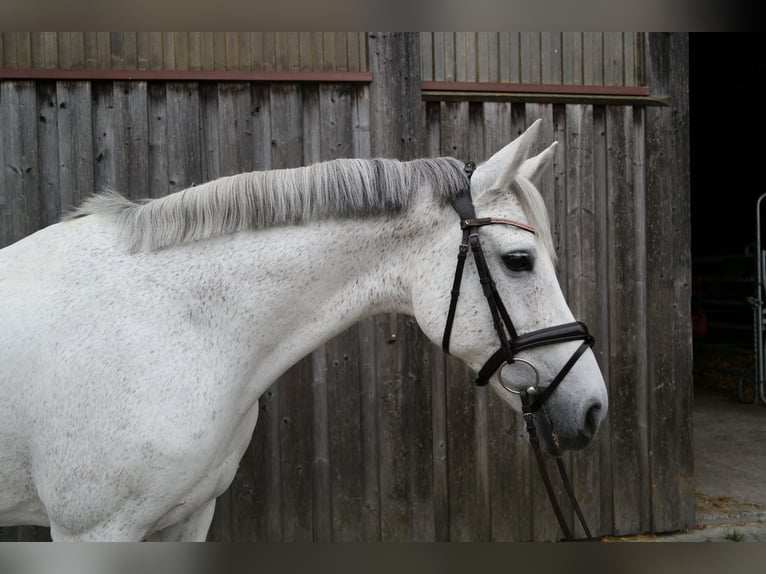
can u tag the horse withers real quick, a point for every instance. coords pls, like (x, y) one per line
(137, 338)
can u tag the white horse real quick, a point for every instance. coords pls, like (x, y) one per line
(136, 338)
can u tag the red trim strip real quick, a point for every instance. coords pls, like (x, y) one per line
(176, 75)
(580, 90)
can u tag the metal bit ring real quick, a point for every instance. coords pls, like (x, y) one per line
(533, 390)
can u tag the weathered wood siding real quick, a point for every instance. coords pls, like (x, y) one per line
(378, 435)
(187, 51)
(572, 58)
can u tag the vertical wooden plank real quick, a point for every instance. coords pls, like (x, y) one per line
(219, 51)
(269, 55)
(364, 53)
(183, 131)
(231, 50)
(593, 58)
(316, 47)
(604, 301)
(90, 45)
(471, 56)
(368, 388)
(158, 140)
(417, 426)
(353, 50)
(195, 51)
(291, 56)
(234, 128)
(210, 129)
(439, 73)
(341, 52)
(36, 49)
(461, 57)
(629, 58)
(181, 50)
(130, 44)
(505, 59)
(142, 50)
(9, 50)
(19, 178)
(76, 49)
(256, 45)
(134, 138)
(529, 53)
(667, 200)
(559, 220)
(24, 49)
(260, 110)
(116, 51)
(483, 56)
(104, 144)
(427, 55)
(322, 503)
(280, 52)
(156, 59)
(553, 63)
(629, 468)
(245, 51)
(450, 68)
(613, 59)
(50, 50)
(75, 143)
(169, 51)
(208, 51)
(48, 149)
(493, 57)
(328, 52)
(304, 48)
(682, 475)
(103, 50)
(571, 49)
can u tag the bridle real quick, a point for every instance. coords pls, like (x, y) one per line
(534, 397)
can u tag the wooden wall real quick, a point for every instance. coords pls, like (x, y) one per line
(210, 51)
(571, 58)
(378, 435)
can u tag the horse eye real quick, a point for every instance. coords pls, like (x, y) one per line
(518, 261)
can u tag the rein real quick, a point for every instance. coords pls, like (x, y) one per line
(511, 343)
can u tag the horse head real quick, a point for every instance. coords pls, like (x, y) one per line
(506, 315)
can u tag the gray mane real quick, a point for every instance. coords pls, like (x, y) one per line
(342, 188)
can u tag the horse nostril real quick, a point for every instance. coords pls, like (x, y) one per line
(593, 419)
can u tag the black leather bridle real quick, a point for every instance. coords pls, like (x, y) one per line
(511, 342)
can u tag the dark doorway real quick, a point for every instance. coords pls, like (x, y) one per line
(727, 117)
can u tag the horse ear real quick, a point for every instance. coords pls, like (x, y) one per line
(499, 171)
(534, 167)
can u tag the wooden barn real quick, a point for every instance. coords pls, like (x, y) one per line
(377, 435)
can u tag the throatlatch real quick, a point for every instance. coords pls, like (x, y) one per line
(511, 342)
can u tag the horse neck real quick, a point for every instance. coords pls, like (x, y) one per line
(284, 291)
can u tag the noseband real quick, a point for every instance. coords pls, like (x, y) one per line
(511, 342)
